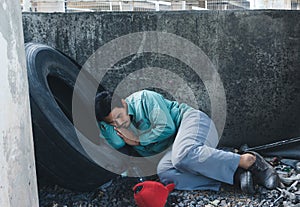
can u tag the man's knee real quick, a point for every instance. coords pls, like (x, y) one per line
(178, 162)
(180, 156)
(163, 176)
(161, 167)
(169, 176)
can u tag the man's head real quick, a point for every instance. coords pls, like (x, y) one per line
(112, 109)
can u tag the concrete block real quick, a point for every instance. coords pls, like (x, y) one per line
(18, 185)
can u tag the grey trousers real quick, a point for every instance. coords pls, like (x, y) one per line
(193, 163)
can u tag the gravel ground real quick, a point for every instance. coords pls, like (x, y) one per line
(118, 193)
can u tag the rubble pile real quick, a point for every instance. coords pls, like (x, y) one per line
(118, 193)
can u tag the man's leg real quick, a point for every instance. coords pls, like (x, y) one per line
(194, 150)
(183, 180)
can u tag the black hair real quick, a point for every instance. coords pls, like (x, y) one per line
(105, 101)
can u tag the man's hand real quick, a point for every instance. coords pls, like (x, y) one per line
(128, 136)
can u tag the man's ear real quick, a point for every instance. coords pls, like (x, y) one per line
(124, 103)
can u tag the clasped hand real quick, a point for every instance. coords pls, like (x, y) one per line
(128, 136)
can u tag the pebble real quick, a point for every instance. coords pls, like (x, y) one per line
(215, 202)
(223, 203)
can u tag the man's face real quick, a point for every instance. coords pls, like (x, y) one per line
(118, 117)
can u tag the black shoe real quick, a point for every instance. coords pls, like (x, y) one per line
(264, 174)
(243, 178)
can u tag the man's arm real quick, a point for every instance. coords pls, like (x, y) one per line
(162, 125)
(107, 132)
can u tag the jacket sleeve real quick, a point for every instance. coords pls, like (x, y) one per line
(161, 123)
(107, 132)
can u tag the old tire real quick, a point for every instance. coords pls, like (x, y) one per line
(60, 157)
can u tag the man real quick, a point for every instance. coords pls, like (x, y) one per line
(150, 123)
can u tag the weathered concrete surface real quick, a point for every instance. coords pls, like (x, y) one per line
(18, 186)
(256, 54)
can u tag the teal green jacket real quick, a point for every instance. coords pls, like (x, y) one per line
(155, 121)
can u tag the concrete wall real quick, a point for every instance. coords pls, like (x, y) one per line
(256, 54)
(18, 186)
